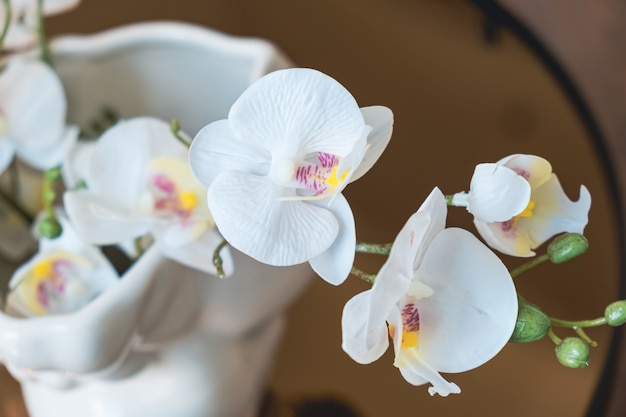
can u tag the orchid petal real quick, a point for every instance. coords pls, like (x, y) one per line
(335, 263)
(33, 102)
(250, 216)
(98, 223)
(76, 163)
(215, 150)
(497, 193)
(506, 237)
(380, 118)
(534, 169)
(555, 213)
(117, 168)
(296, 112)
(473, 310)
(417, 372)
(198, 254)
(43, 159)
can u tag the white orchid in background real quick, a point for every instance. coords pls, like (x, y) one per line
(447, 301)
(22, 29)
(138, 182)
(518, 204)
(32, 115)
(275, 169)
(63, 276)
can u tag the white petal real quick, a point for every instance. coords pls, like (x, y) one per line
(99, 224)
(417, 372)
(497, 193)
(7, 151)
(335, 263)
(76, 163)
(364, 340)
(506, 237)
(380, 118)
(298, 111)
(33, 100)
(198, 253)
(473, 310)
(534, 169)
(215, 150)
(554, 213)
(118, 164)
(53, 155)
(249, 215)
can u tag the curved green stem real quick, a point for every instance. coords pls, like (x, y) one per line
(7, 21)
(217, 259)
(600, 321)
(529, 265)
(175, 129)
(555, 339)
(46, 56)
(373, 248)
(363, 275)
(581, 333)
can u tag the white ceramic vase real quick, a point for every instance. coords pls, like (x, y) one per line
(166, 340)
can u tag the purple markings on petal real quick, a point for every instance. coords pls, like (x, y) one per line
(410, 318)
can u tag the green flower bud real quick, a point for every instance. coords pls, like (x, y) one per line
(49, 228)
(615, 313)
(573, 352)
(567, 247)
(532, 324)
(53, 174)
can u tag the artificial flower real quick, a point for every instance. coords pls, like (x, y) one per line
(446, 300)
(32, 115)
(276, 167)
(138, 182)
(22, 30)
(62, 277)
(547, 212)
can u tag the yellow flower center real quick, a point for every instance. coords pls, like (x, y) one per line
(188, 200)
(409, 339)
(528, 211)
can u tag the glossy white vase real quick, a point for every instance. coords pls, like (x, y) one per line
(166, 340)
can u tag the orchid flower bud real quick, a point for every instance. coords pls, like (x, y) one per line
(573, 352)
(615, 313)
(532, 323)
(567, 247)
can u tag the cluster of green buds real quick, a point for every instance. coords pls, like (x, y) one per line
(534, 324)
(49, 225)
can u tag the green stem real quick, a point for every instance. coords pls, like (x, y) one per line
(530, 264)
(46, 56)
(449, 198)
(555, 339)
(363, 275)
(600, 321)
(175, 128)
(581, 333)
(6, 23)
(373, 248)
(217, 259)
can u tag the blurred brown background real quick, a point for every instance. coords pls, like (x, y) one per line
(462, 92)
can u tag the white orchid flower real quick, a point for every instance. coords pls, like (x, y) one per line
(518, 204)
(276, 167)
(32, 115)
(139, 182)
(62, 277)
(22, 31)
(447, 301)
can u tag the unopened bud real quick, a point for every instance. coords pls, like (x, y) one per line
(567, 247)
(49, 228)
(532, 324)
(573, 352)
(53, 174)
(615, 313)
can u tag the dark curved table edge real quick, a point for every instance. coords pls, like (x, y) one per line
(498, 16)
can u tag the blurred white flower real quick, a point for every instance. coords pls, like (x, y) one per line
(62, 277)
(138, 182)
(447, 301)
(32, 115)
(546, 212)
(22, 30)
(276, 167)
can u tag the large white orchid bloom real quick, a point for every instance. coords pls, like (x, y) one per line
(22, 31)
(32, 115)
(515, 218)
(138, 182)
(447, 301)
(275, 169)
